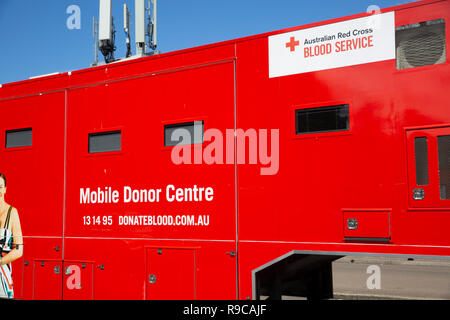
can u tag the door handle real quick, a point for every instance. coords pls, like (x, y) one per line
(231, 254)
(152, 279)
(56, 269)
(418, 194)
(352, 224)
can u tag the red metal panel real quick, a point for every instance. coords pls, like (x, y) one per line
(170, 61)
(35, 185)
(42, 249)
(171, 274)
(212, 262)
(34, 86)
(114, 278)
(367, 225)
(78, 280)
(35, 174)
(322, 174)
(144, 162)
(47, 280)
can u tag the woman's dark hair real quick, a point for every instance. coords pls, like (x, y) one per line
(3, 177)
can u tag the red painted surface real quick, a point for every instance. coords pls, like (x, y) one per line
(78, 280)
(47, 280)
(369, 224)
(173, 273)
(226, 85)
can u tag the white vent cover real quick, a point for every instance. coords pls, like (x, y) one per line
(421, 44)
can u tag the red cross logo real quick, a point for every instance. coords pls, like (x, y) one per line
(292, 44)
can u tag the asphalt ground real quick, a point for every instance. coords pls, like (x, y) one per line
(398, 279)
(393, 278)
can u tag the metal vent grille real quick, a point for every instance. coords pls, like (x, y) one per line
(421, 44)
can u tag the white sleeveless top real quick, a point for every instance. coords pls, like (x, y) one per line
(6, 236)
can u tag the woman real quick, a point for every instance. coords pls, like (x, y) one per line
(11, 244)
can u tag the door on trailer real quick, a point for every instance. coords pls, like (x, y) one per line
(429, 167)
(170, 274)
(47, 280)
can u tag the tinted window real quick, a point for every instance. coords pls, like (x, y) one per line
(183, 133)
(421, 155)
(19, 138)
(323, 119)
(105, 142)
(444, 166)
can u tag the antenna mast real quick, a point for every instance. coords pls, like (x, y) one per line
(95, 33)
(126, 26)
(152, 24)
(106, 31)
(139, 6)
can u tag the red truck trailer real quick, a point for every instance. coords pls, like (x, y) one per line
(309, 144)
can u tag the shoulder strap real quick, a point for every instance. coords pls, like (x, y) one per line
(7, 217)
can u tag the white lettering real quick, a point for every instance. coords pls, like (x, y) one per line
(194, 194)
(84, 195)
(126, 194)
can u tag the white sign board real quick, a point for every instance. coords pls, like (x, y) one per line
(352, 42)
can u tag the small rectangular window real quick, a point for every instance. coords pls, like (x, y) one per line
(444, 166)
(183, 133)
(19, 138)
(421, 44)
(105, 141)
(421, 155)
(323, 119)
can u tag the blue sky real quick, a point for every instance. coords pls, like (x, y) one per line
(35, 40)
